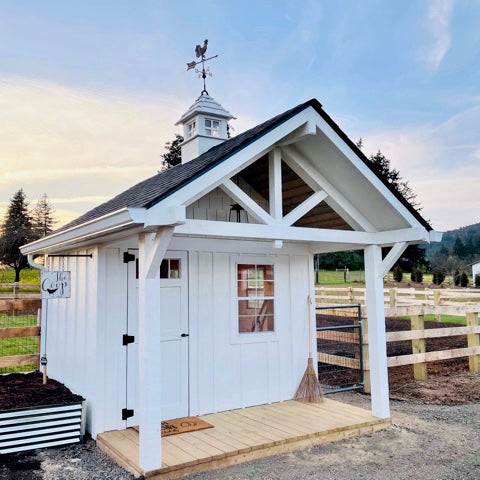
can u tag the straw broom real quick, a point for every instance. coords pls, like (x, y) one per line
(309, 390)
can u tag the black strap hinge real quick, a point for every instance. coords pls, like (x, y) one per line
(127, 339)
(128, 257)
(127, 413)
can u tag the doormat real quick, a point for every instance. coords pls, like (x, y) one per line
(182, 425)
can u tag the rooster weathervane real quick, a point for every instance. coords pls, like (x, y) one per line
(203, 72)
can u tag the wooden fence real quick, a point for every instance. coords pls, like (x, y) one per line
(14, 309)
(19, 290)
(415, 304)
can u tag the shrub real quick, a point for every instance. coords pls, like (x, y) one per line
(464, 279)
(456, 278)
(416, 275)
(477, 281)
(438, 276)
(397, 274)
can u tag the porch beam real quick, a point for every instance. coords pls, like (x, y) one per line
(304, 207)
(377, 345)
(303, 168)
(301, 234)
(246, 202)
(275, 184)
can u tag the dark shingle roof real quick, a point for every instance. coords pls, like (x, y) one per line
(154, 189)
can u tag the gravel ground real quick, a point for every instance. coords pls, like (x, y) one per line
(437, 442)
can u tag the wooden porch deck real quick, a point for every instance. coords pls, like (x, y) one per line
(243, 435)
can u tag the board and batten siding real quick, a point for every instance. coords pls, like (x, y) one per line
(70, 329)
(229, 370)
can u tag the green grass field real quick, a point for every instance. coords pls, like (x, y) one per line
(18, 346)
(443, 318)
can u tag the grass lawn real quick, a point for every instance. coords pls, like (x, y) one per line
(27, 276)
(443, 318)
(328, 277)
(18, 346)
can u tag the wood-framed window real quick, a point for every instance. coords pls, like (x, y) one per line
(191, 129)
(212, 127)
(255, 297)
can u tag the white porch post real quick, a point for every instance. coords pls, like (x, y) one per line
(152, 248)
(377, 346)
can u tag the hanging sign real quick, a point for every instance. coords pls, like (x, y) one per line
(55, 285)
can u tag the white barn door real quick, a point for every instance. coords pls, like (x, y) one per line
(173, 364)
(174, 332)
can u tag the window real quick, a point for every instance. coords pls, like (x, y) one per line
(212, 127)
(191, 129)
(255, 298)
(170, 268)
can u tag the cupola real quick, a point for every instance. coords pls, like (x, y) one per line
(205, 124)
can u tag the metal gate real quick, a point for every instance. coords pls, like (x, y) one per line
(339, 348)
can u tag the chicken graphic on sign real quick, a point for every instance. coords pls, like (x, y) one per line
(55, 285)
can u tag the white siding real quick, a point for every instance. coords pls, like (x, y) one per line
(228, 370)
(70, 328)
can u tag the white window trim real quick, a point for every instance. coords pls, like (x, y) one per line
(194, 126)
(211, 128)
(236, 337)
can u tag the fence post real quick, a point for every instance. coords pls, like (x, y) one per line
(366, 359)
(436, 303)
(418, 346)
(393, 297)
(473, 341)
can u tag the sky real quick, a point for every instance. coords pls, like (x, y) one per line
(90, 91)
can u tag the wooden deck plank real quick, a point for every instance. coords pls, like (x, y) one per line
(245, 434)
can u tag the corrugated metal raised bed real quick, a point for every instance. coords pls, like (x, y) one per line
(38, 427)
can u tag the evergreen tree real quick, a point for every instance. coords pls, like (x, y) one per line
(42, 217)
(17, 230)
(173, 154)
(382, 166)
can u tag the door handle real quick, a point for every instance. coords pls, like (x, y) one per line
(184, 335)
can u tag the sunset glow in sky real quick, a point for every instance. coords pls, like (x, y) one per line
(90, 91)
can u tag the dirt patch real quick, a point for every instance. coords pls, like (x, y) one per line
(452, 390)
(19, 390)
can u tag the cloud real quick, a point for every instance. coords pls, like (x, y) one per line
(438, 25)
(441, 164)
(75, 144)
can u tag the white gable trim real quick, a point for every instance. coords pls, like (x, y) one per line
(304, 207)
(360, 165)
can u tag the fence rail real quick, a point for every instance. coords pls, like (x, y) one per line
(19, 290)
(400, 297)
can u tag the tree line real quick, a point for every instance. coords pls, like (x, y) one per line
(22, 225)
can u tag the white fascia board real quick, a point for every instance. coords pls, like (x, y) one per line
(163, 215)
(301, 234)
(435, 236)
(229, 167)
(360, 165)
(110, 222)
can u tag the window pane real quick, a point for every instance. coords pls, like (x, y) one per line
(174, 268)
(246, 324)
(264, 307)
(268, 289)
(242, 289)
(164, 269)
(244, 308)
(243, 271)
(208, 123)
(267, 272)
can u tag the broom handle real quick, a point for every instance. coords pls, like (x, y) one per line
(309, 300)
